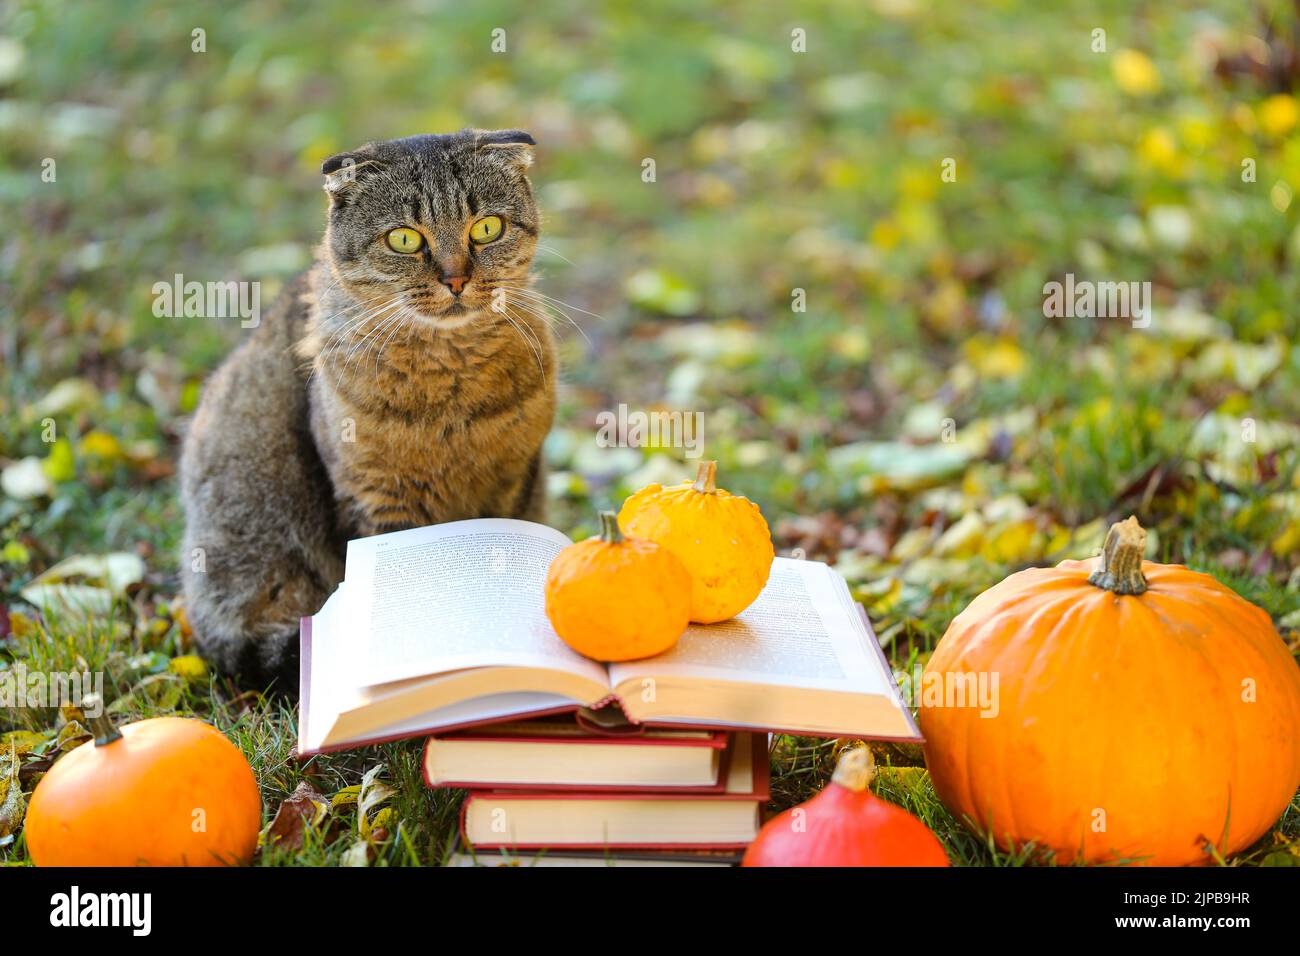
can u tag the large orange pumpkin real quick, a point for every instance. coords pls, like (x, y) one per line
(170, 791)
(617, 599)
(1143, 712)
(721, 538)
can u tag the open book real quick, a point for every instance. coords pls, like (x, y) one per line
(445, 627)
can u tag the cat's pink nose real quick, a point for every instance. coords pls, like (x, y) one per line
(454, 283)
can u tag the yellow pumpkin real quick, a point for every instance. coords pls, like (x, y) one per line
(617, 599)
(721, 538)
(170, 791)
(1142, 713)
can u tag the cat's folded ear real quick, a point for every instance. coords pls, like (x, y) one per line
(513, 147)
(345, 170)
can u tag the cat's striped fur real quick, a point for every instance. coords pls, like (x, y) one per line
(371, 397)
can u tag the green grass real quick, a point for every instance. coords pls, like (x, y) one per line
(775, 171)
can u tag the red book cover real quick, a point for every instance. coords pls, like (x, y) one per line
(757, 794)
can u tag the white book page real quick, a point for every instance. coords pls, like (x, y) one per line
(802, 631)
(452, 596)
(322, 685)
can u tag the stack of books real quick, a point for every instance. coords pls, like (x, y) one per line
(552, 785)
(441, 632)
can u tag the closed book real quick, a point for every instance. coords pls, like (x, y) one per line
(613, 820)
(587, 858)
(561, 754)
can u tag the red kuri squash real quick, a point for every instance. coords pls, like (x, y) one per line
(846, 825)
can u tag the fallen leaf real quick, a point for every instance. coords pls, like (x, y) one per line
(962, 539)
(13, 805)
(101, 446)
(25, 479)
(995, 358)
(347, 797)
(158, 691)
(71, 394)
(358, 854)
(304, 808)
(190, 666)
(22, 741)
(1135, 74)
(659, 291)
(85, 585)
(1244, 363)
(372, 794)
(897, 466)
(73, 735)
(1279, 114)
(1013, 542)
(60, 464)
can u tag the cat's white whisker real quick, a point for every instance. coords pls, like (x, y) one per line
(541, 247)
(541, 303)
(362, 341)
(532, 343)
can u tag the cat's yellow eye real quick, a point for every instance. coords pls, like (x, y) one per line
(405, 240)
(486, 229)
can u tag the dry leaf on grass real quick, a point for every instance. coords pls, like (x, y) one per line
(304, 808)
(13, 805)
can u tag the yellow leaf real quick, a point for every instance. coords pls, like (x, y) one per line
(1078, 543)
(21, 741)
(996, 358)
(1196, 131)
(852, 344)
(885, 234)
(23, 626)
(346, 797)
(1016, 542)
(1279, 114)
(190, 666)
(919, 184)
(1159, 150)
(911, 544)
(1135, 73)
(963, 538)
(881, 596)
(60, 464)
(1288, 541)
(101, 445)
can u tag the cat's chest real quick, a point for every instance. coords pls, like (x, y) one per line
(446, 457)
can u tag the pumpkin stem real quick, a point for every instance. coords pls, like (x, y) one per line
(855, 769)
(609, 530)
(1120, 571)
(101, 725)
(706, 478)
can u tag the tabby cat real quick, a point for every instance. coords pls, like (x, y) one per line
(405, 379)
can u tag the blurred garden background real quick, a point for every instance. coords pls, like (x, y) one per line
(921, 423)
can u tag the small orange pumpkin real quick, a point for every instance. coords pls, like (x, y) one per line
(170, 791)
(617, 599)
(1143, 712)
(846, 825)
(721, 538)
